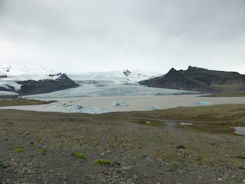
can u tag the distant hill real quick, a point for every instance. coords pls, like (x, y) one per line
(199, 79)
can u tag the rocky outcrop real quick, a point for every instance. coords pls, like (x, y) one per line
(31, 87)
(199, 79)
(3, 76)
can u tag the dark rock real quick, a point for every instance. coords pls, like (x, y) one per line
(10, 88)
(171, 170)
(180, 147)
(116, 164)
(4, 165)
(144, 156)
(3, 76)
(53, 75)
(31, 87)
(199, 79)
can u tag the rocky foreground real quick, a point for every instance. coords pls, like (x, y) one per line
(199, 79)
(136, 147)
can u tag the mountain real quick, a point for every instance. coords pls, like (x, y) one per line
(31, 87)
(23, 80)
(199, 79)
(125, 76)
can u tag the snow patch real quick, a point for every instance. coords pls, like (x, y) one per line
(7, 93)
(124, 76)
(13, 73)
(154, 108)
(205, 103)
(239, 130)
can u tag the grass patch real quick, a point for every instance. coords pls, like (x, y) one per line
(17, 147)
(240, 178)
(213, 128)
(42, 151)
(102, 162)
(19, 101)
(80, 155)
(217, 113)
(231, 94)
(175, 165)
(240, 157)
(20, 150)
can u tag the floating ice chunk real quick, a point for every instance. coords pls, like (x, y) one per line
(155, 108)
(74, 108)
(119, 104)
(94, 110)
(205, 103)
(239, 130)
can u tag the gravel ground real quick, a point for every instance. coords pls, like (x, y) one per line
(40, 147)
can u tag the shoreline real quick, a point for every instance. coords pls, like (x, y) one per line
(97, 105)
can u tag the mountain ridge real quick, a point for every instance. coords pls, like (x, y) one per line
(198, 79)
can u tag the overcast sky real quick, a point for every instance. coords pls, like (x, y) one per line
(104, 35)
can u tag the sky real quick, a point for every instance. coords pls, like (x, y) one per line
(106, 35)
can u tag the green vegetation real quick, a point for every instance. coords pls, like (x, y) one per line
(42, 151)
(80, 155)
(175, 165)
(102, 162)
(17, 147)
(231, 94)
(19, 101)
(20, 150)
(214, 128)
(240, 178)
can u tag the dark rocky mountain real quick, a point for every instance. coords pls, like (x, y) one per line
(3, 76)
(31, 87)
(199, 79)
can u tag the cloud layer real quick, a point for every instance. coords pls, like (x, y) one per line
(108, 35)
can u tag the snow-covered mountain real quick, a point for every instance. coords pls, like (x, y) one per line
(26, 72)
(24, 79)
(125, 76)
(10, 74)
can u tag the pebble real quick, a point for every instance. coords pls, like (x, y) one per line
(126, 168)
(180, 147)
(4, 165)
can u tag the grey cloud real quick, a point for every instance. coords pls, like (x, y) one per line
(116, 34)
